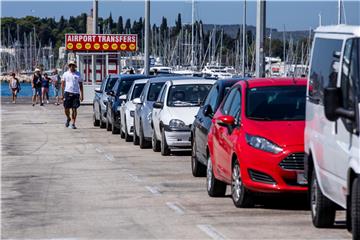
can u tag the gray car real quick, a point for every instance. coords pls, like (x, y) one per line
(144, 104)
(101, 98)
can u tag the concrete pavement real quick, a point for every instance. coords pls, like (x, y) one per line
(59, 183)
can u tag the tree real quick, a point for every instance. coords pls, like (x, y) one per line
(120, 26)
(83, 23)
(128, 26)
(163, 27)
(62, 23)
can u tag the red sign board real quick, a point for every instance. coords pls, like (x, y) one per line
(101, 42)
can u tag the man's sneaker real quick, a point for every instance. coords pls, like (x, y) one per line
(41, 104)
(33, 104)
(67, 122)
(72, 126)
(47, 101)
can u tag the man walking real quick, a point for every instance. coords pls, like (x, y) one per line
(72, 92)
(36, 86)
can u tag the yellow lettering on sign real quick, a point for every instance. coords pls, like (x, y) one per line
(132, 47)
(123, 46)
(96, 46)
(114, 46)
(70, 46)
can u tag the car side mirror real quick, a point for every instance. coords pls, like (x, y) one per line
(332, 105)
(111, 93)
(158, 105)
(122, 97)
(97, 90)
(225, 121)
(136, 101)
(207, 111)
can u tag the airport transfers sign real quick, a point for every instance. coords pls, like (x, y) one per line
(101, 42)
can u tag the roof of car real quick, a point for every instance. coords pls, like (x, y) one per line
(340, 29)
(191, 80)
(267, 82)
(167, 78)
(138, 81)
(229, 81)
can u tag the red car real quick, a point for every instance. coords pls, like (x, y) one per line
(256, 141)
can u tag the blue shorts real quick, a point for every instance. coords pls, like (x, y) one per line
(36, 91)
(71, 100)
(57, 92)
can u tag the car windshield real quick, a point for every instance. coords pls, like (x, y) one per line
(124, 87)
(187, 95)
(154, 91)
(276, 103)
(137, 90)
(110, 84)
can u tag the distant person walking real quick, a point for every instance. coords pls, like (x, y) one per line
(72, 92)
(36, 86)
(56, 81)
(14, 86)
(45, 84)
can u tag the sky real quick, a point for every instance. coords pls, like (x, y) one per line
(295, 15)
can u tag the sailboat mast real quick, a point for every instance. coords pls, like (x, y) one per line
(244, 39)
(192, 33)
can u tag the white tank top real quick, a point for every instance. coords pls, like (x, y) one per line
(13, 83)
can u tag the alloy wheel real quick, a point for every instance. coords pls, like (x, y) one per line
(236, 183)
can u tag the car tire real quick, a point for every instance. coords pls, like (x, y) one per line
(142, 141)
(155, 144)
(355, 209)
(108, 124)
(198, 169)
(96, 122)
(102, 124)
(164, 148)
(135, 136)
(241, 196)
(114, 130)
(128, 138)
(215, 188)
(323, 210)
(122, 134)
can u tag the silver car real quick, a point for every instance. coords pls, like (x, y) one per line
(144, 105)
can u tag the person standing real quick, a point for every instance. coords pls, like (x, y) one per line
(36, 86)
(72, 92)
(14, 86)
(56, 81)
(45, 88)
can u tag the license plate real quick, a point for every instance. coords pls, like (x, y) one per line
(301, 179)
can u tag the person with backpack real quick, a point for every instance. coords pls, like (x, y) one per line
(56, 81)
(14, 86)
(36, 86)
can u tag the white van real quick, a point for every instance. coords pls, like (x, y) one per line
(332, 145)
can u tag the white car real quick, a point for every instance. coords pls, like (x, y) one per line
(127, 109)
(174, 112)
(332, 142)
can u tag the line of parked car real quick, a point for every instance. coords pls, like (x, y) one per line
(260, 136)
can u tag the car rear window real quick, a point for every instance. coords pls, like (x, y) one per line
(154, 91)
(276, 103)
(187, 95)
(137, 90)
(110, 84)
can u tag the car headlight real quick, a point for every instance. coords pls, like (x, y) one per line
(176, 123)
(132, 113)
(262, 144)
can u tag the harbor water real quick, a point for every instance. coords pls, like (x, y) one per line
(26, 90)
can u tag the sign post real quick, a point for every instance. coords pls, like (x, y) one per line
(105, 45)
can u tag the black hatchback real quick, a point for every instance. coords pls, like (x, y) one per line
(202, 123)
(115, 97)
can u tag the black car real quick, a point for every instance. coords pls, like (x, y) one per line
(100, 100)
(202, 123)
(116, 96)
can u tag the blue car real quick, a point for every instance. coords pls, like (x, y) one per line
(115, 97)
